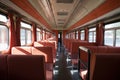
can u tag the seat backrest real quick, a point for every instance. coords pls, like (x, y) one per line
(38, 44)
(30, 67)
(45, 51)
(18, 50)
(105, 67)
(3, 67)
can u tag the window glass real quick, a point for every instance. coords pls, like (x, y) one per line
(4, 37)
(58, 35)
(38, 34)
(76, 34)
(113, 25)
(92, 35)
(82, 34)
(4, 33)
(29, 37)
(108, 37)
(3, 18)
(25, 25)
(118, 38)
(26, 33)
(22, 36)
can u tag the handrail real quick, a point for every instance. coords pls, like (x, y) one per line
(79, 61)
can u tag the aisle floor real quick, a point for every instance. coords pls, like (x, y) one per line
(63, 69)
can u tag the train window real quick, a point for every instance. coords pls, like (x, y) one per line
(73, 35)
(118, 37)
(25, 33)
(67, 36)
(82, 34)
(76, 34)
(92, 35)
(4, 33)
(39, 36)
(111, 35)
(4, 37)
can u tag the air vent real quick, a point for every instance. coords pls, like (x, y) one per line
(62, 13)
(64, 1)
(60, 23)
(61, 19)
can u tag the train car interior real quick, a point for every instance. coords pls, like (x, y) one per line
(59, 39)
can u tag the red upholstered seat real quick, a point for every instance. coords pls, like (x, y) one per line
(46, 51)
(30, 67)
(3, 67)
(105, 67)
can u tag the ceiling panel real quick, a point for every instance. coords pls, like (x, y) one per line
(60, 14)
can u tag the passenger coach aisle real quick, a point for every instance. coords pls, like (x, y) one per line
(63, 66)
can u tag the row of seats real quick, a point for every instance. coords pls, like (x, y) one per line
(45, 51)
(73, 45)
(100, 50)
(28, 50)
(103, 60)
(21, 67)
